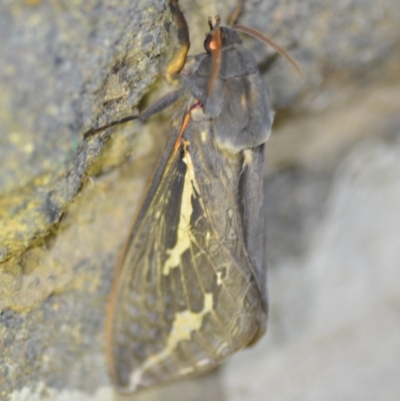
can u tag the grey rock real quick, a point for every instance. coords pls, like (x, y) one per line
(66, 203)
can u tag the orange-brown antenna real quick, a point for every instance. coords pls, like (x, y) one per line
(266, 39)
(215, 47)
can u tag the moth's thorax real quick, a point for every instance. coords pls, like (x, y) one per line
(238, 109)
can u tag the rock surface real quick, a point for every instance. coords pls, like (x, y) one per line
(332, 195)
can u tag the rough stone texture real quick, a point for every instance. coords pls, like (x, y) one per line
(63, 65)
(66, 204)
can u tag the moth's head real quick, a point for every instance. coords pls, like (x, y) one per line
(227, 35)
(219, 36)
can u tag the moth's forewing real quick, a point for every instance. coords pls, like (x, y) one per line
(190, 290)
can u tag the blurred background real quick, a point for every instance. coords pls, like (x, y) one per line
(332, 194)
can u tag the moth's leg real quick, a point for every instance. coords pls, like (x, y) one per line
(235, 13)
(168, 100)
(178, 59)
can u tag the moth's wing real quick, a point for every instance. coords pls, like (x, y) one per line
(184, 299)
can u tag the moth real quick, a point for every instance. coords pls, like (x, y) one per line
(190, 285)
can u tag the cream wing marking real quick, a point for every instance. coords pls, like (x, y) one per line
(183, 230)
(185, 323)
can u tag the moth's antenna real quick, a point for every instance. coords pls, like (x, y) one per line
(235, 14)
(210, 24)
(266, 39)
(215, 47)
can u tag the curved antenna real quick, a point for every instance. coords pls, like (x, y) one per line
(266, 39)
(210, 24)
(235, 13)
